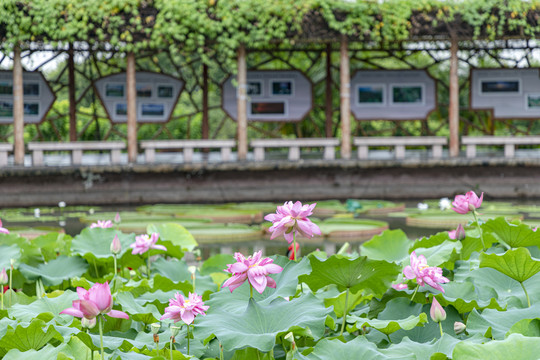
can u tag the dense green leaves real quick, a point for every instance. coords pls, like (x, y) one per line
(55, 271)
(516, 346)
(515, 263)
(391, 245)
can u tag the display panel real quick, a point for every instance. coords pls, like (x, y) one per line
(254, 88)
(144, 90)
(31, 108)
(267, 108)
(151, 109)
(114, 90)
(370, 95)
(6, 109)
(500, 86)
(165, 91)
(405, 94)
(31, 89)
(282, 87)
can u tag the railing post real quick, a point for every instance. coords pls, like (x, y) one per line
(453, 106)
(328, 106)
(345, 107)
(242, 104)
(71, 95)
(131, 90)
(18, 108)
(205, 125)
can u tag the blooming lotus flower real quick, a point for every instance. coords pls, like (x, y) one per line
(104, 224)
(116, 247)
(423, 273)
(254, 269)
(291, 219)
(462, 204)
(437, 312)
(184, 309)
(458, 234)
(444, 203)
(96, 301)
(143, 243)
(2, 229)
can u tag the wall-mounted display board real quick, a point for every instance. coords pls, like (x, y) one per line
(508, 93)
(272, 96)
(157, 95)
(38, 97)
(392, 94)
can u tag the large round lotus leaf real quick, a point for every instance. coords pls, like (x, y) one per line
(351, 229)
(328, 208)
(222, 215)
(226, 234)
(451, 219)
(265, 207)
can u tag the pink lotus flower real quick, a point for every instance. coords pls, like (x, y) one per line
(458, 234)
(254, 269)
(291, 219)
(3, 277)
(104, 224)
(2, 229)
(437, 312)
(400, 286)
(462, 204)
(184, 309)
(423, 273)
(143, 243)
(116, 247)
(96, 301)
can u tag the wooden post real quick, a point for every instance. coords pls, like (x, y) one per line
(242, 104)
(18, 108)
(205, 125)
(345, 106)
(328, 106)
(453, 106)
(71, 95)
(131, 90)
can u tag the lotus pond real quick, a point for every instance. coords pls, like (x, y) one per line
(161, 281)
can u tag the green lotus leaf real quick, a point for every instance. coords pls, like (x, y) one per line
(391, 246)
(435, 349)
(26, 312)
(145, 313)
(464, 297)
(95, 243)
(442, 255)
(514, 235)
(516, 346)
(492, 323)
(526, 327)
(515, 263)
(354, 274)
(338, 302)
(55, 271)
(30, 336)
(358, 348)
(175, 233)
(8, 253)
(217, 263)
(388, 327)
(260, 324)
(73, 349)
(53, 244)
(430, 241)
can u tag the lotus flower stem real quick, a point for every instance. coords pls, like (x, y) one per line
(440, 328)
(414, 293)
(250, 291)
(148, 265)
(10, 284)
(115, 266)
(526, 294)
(100, 321)
(2, 296)
(479, 230)
(172, 341)
(188, 340)
(95, 268)
(345, 312)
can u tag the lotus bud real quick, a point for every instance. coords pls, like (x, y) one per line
(174, 330)
(88, 323)
(61, 204)
(459, 327)
(116, 247)
(437, 312)
(3, 277)
(117, 218)
(155, 328)
(458, 234)
(36, 212)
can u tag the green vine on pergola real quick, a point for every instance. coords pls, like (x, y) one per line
(207, 27)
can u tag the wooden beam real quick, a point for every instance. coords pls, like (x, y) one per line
(453, 107)
(18, 108)
(71, 95)
(345, 101)
(328, 106)
(242, 104)
(205, 124)
(131, 90)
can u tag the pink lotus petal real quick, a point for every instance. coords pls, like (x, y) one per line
(118, 314)
(73, 312)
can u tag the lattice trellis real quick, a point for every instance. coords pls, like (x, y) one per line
(186, 121)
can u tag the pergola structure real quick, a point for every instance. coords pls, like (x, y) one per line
(206, 35)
